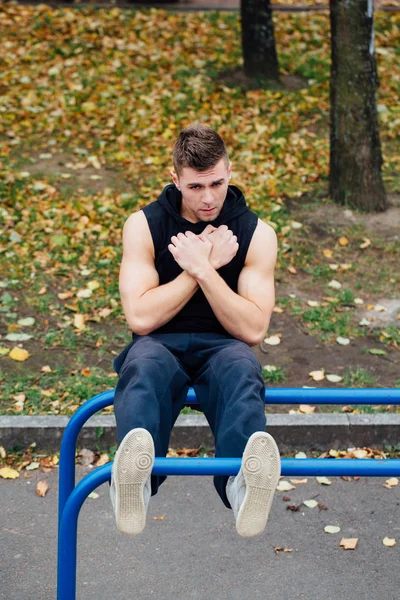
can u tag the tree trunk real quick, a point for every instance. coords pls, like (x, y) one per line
(355, 156)
(258, 42)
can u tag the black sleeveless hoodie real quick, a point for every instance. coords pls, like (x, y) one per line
(164, 220)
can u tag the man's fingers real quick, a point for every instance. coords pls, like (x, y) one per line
(172, 249)
(223, 228)
(190, 234)
(208, 229)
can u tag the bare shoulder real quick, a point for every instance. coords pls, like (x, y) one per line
(263, 246)
(136, 232)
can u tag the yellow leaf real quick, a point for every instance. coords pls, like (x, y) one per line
(317, 375)
(392, 482)
(8, 473)
(79, 321)
(389, 542)
(159, 518)
(19, 354)
(306, 409)
(327, 253)
(349, 543)
(365, 244)
(343, 241)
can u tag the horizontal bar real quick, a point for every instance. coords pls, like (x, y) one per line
(289, 467)
(324, 396)
(363, 467)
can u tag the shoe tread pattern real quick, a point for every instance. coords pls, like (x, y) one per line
(261, 467)
(134, 461)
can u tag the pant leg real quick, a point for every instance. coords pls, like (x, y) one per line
(150, 393)
(231, 393)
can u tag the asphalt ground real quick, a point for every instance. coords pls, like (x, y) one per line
(190, 548)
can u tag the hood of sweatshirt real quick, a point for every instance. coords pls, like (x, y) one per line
(234, 205)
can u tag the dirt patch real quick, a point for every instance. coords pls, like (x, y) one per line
(322, 218)
(71, 172)
(237, 78)
(299, 353)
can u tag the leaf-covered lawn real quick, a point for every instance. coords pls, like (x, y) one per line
(91, 102)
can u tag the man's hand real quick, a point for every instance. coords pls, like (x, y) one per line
(224, 245)
(191, 252)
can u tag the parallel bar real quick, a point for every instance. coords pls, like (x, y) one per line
(67, 538)
(272, 396)
(66, 481)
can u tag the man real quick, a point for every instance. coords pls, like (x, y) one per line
(197, 289)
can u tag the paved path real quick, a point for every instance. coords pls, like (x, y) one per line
(194, 553)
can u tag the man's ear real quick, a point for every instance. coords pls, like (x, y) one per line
(174, 178)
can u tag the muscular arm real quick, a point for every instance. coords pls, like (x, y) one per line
(146, 304)
(246, 315)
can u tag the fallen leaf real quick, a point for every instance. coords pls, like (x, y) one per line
(79, 321)
(285, 486)
(377, 351)
(324, 481)
(335, 284)
(349, 543)
(300, 455)
(281, 549)
(313, 303)
(317, 375)
(343, 341)
(343, 241)
(365, 243)
(8, 473)
(161, 518)
(306, 409)
(104, 459)
(41, 488)
(389, 542)
(334, 378)
(32, 466)
(310, 503)
(93, 495)
(392, 482)
(65, 295)
(273, 340)
(331, 529)
(327, 253)
(297, 481)
(19, 354)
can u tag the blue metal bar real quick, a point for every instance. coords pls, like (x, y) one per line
(272, 396)
(67, 538)
(67, 531)
(66, 480)
(324, 396)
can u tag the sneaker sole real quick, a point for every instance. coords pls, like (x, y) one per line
(132, 466)
(261, 467)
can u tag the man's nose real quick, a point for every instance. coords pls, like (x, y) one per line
(208, 197)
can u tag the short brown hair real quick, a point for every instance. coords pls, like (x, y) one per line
(199, 147)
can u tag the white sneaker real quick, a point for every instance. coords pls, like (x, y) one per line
(250, 493)
(130, 489)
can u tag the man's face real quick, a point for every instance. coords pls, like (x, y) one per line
(203, 192)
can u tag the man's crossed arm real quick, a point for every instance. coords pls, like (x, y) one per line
(148, 306)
